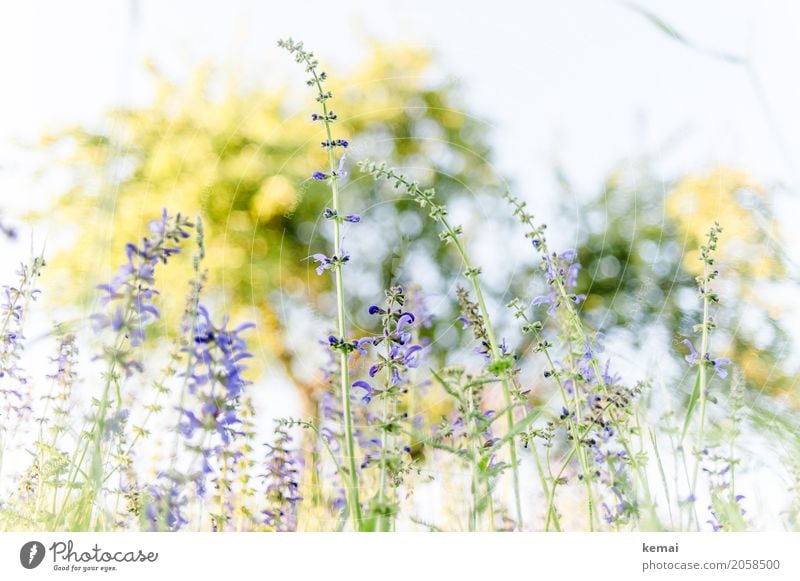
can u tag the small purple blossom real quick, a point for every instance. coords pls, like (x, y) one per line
(368, 390)
(328, 263)
(692, 356)
(340, 172)
(719, 365)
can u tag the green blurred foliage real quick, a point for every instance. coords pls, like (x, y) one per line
(638, 249)
(242, 159)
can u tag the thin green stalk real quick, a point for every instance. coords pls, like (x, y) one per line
(662, 474)
(565, 464)
(309, 425)
(703, 371)
(582, 452)
(545, 489)
(472, 273)
(703, 359)
(355, 504)
(93, 438)
(474, 455)
(384, 521)
(572, 427)
(327, 117)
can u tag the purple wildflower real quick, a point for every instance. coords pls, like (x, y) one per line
(692, 356)
(399, 355)
(166, 503)
(368, 390)
(719, 365)
(330, 214)
(14, 381)
(340, 172)
(326, 263)
(128, 297)
(216, 386)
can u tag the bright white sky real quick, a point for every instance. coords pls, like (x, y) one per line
(572, 79)
(582, 82)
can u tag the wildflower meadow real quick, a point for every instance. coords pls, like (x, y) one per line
(426, 398)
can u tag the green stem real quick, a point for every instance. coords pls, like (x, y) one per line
(383, 519)
(496, 357)
(572, 427)
(703, 383)
(575, 320)
(475, 457)
(352, 478)
(545, 488)
(308, 424)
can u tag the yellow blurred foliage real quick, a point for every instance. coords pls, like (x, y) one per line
(744, 251)
(241, 158)
(700, 199)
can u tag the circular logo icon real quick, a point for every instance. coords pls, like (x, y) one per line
(31, 554)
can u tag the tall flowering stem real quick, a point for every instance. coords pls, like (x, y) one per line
(56, 414)
(15, 385)
(703, 359)
(215, 424)
(129, 308)
(334, 263)
(180, 344)
(584, 365)
(501, 364)
(543, 346)
(399, 356)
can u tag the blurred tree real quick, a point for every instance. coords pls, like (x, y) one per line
(243, 160)
(639, 252)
